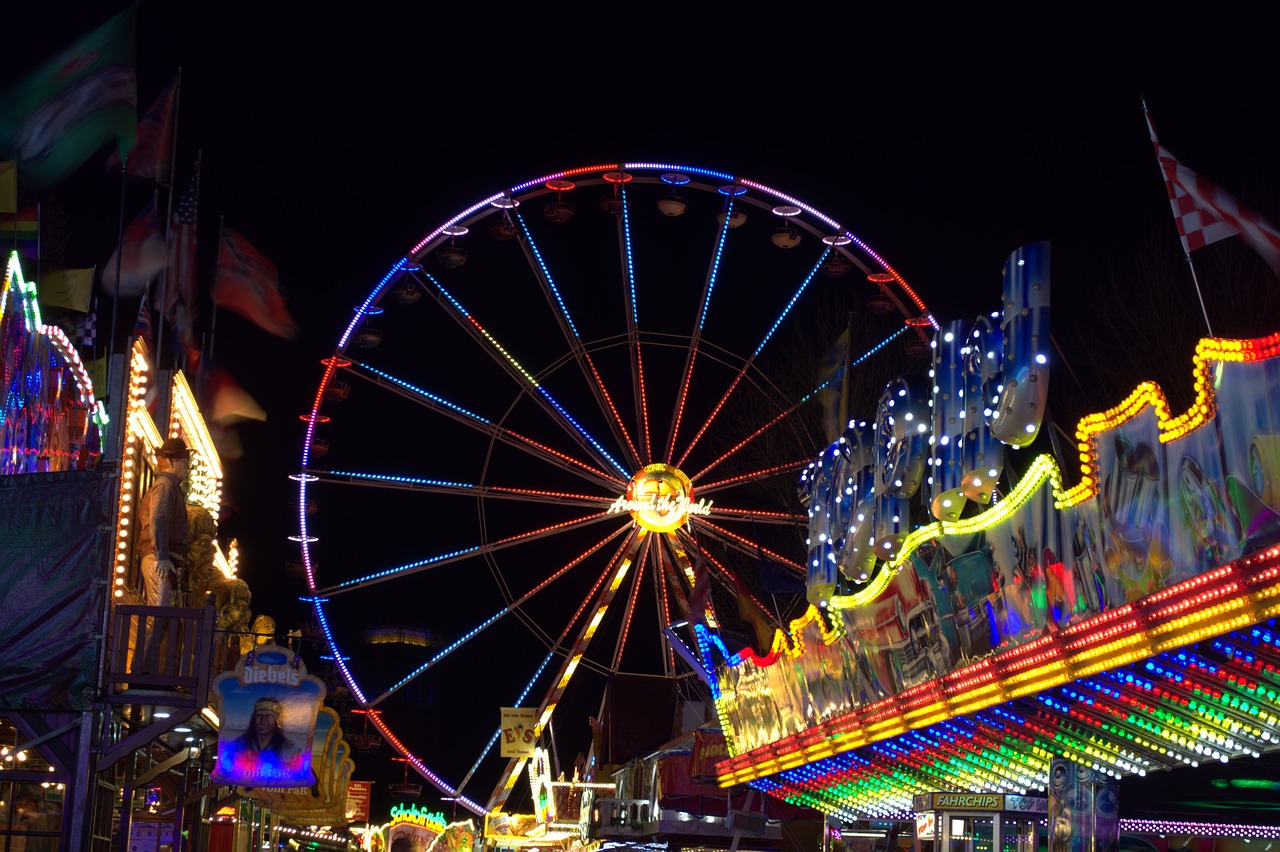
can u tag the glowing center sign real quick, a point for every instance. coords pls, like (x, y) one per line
(660, 499)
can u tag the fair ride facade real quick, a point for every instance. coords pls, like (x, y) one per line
(1123, 622)
(597, 400)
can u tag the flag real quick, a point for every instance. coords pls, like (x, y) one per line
(142, 258)
(21, 231)
(67, 288)
(831, 378)
(86, 330)
(8, 186)
(223, 400)
(1205, 214)
(152, 155)
(85, 97)
(750, 612)
(142, 325)
(700, 594)
(179, 291)
(247, 283)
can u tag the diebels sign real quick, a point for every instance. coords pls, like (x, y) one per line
(269, 706)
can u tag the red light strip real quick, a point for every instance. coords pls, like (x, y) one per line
(776, 557)
(664, 610)
(544, 448)
(763, 473)
(715, 411)
(617, 416)
(756, 513)
(747, 440)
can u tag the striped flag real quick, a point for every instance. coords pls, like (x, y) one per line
(152, 155)
(247, 282)
(142, 257)
(179, 299)
(86, 336)
(142, 325)
(21, 231)
(1205, 214)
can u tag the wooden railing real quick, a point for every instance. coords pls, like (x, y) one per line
(157, 656)
(159, 649)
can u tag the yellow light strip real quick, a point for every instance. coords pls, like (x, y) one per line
(140, 438)
(1208, 352)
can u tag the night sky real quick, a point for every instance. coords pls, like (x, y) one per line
(334, 141)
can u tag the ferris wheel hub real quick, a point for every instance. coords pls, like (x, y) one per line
(660, 499)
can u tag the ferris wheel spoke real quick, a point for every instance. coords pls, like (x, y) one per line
(620, 566)
(785, 413)
(713, 270)
(438, 486)
(633, 327)
(727, 577)
(629, 608)
(680, 549)
(664, 610)
(746, 545)
(787, 519)
(522, 377)
(553, 652)
(461, 554)
(493, 619)
(751, 360)
(485, 426)
(573, 339)
(754, 476)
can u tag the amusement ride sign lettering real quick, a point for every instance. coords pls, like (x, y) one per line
(660, 499)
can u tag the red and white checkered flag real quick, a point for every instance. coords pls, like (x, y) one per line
(1205, 214)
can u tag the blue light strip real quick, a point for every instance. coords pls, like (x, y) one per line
(446, 651)
(333, 646)
(519, 703)
(546, 275)
(409, 567)
(427, 394)
(873, 350)
(631, 267)
(528, 378)
(408, 480)
(715, 265)
(583, 432)
(361, 308)
(671, 167)
(791, 304)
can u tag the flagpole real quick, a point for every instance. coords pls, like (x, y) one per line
(165, 283)
(213, 316)
(115, 300)
(1199, 295)
(164, 273)
(1187, 251)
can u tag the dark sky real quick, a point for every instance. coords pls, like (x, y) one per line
(335, 140)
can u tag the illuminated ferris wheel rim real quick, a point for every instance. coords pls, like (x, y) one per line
(644, 520)
(787, 206)
(836, 236)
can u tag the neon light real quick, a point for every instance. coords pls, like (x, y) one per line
(1192, 730)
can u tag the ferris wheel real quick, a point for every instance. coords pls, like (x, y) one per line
(562, 408)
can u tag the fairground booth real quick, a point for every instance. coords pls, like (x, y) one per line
(99, 748)
(988, 653)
